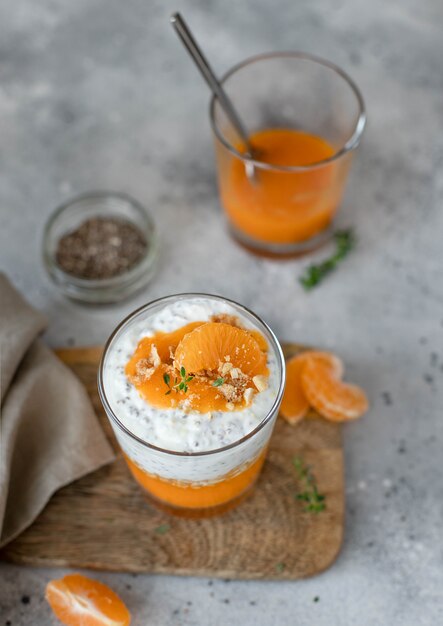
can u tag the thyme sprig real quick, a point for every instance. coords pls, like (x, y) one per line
(345, 241)
(162, 529)
(315, 501)
(180, 384)
(218, 382)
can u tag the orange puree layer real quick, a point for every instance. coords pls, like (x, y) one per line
(201, 395)
(283, 207)
(194, 495)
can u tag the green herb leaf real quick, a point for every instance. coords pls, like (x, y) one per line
(218, 382)
(163, 529)
(280, 567)
(167, 380)
(345, 241)
(297, 463)
(181, 385)
(303, 496)
(314, 501)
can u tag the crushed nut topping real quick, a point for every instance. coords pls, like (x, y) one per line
(248, 395)
(261, 382)
(225, 368)
(225, 318)
(229, 391)
(232, 384)
(187, 403)
(236, 373)
(144, 368)
(156, 360)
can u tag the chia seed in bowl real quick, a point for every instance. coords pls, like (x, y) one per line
(100, 247)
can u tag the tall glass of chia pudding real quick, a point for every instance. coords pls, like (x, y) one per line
(192, 384)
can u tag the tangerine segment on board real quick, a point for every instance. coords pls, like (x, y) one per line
(80, 601)
(205, 347)
(295, 405)
(332, 398)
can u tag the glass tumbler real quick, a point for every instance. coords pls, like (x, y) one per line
(194, 484)
(286, 210)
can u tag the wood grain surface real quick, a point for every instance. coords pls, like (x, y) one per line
(104, 521)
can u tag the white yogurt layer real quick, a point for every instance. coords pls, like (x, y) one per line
(173, 429)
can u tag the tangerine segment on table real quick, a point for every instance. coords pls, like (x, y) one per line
(81, 601)
(208, 352)
(295, 404)
(332, 398)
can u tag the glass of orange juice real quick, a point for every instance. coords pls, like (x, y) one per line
(192, 384)
(305, 118)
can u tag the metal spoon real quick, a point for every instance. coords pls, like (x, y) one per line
(206, 71)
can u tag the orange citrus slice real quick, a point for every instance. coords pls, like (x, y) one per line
(295, 404)
(213, 343)
(332, 398)
(80, 601)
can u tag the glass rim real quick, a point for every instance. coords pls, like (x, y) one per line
(350, 145)
(110, 413)
(128, 276)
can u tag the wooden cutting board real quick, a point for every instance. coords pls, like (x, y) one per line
(103, 521)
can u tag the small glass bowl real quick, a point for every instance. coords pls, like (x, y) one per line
(69, 216)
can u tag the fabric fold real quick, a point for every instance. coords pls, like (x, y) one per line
(49, 434)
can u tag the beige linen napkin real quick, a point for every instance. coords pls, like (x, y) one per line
(49, 434)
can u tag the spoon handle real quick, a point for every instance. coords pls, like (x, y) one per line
(200, 60)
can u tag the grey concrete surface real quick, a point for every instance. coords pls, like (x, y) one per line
(99, 94)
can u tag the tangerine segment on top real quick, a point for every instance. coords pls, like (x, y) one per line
(332, 398)
(80, 601)
(295, 404)
(213, 343)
